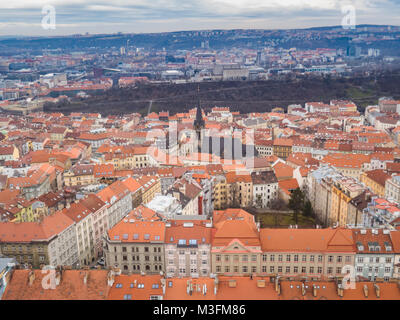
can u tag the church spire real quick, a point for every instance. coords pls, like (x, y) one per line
(199, 122)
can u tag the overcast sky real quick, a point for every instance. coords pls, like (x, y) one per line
(24, 17)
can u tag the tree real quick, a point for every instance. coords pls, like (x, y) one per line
(277, 204)
(296, 203)
(308, 210)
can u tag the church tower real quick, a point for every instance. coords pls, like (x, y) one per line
(199, 125)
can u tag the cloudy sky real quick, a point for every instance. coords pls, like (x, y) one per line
(24, 17)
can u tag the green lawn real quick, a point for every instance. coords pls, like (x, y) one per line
(268, 219)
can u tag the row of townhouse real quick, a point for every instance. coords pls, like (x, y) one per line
(232, 244)
(72, 236)
(87, 174)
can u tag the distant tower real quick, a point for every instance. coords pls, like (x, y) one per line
(258, 60)
(199, 124)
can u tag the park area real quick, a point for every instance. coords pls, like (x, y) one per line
(283, 219)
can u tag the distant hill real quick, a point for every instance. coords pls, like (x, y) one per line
(192, 39)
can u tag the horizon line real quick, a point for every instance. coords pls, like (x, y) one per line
(20, 37)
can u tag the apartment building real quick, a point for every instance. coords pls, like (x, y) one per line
(265, 188)
(151, 186)
(79, 175)
(235, 245)
(135, 189)
(313, 253)
(374, 254)
(392, 188)
(344, 189)
(282, 148)
(118, 199)
(239, 189)
(49, 242)
(375, 180)
(136, 246)
(187, 248)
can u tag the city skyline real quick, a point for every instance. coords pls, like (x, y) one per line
(24, 18)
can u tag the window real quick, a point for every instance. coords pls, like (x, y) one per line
(218, 269)
(264, 269)
(287, 269)
(311, 258)
(319, 258)
(264, 257)
(339, 259)
(295, 269)
(244, 269)
(311, 270)
(330, 259)
(253, 258)
(288, 258)
(388, 260)
(245, 258)
(227, 269)
(218, 257)
(319, 270)
(127, 297)
(330, 270)
(272, 257)
(280, 269)
(338, 270)
(280, 258)
(296, 257)
(348, 258)
(271, 269)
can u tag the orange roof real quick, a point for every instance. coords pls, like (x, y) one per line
(307, 240)
(292, 290)
(181, 230)
(132, 230)
(244, 288)
(283, 171)
(71, 287)
(135, 287)
(28, 231)
(288, 185)
(176, 289)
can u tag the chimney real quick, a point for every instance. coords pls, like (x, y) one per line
(216, 282)
(58, 278)
(31, 277)
(277, 286)
(365, 289)
(163, 285)
(340, 290)
(314, 292)
(377, 290)
(85, 278)
(110, 278)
